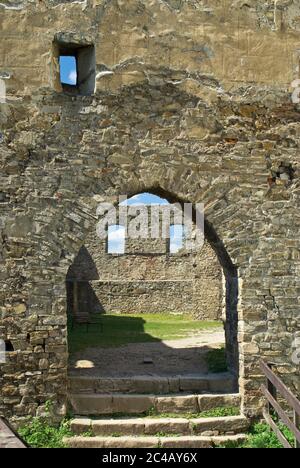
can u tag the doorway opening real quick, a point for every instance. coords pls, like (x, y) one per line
(166, 311)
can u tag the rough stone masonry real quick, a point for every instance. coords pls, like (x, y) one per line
(146, 278)
(190, 99)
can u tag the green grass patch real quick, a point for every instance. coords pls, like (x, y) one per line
(261, 436)
(89, 433)
(213, 413)
(216, 361)
(165, 434)
(40, 434)
(120, 330)
(219, 412)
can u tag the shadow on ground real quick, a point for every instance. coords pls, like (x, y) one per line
(129, 346)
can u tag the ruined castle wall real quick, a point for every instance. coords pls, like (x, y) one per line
(147, 279)
(192, 97)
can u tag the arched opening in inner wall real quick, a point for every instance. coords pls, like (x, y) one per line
(152, 307)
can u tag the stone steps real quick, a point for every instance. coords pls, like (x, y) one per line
(91, 396)
(153, 426)
(152, 442)
(144, 384)
(109, 404)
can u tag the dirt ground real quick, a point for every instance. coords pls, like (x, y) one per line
(167, 358)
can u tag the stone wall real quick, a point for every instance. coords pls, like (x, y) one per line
(147, 279)
(193, 100)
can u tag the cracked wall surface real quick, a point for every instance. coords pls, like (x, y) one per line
(193, 98)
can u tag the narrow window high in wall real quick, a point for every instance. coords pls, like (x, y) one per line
(116, 240)
(68, 70)
(177, 237)
(77, 68)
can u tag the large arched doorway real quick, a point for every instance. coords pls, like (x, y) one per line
(112, 280)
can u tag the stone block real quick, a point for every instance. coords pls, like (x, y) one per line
(91, 404)
(132, 404)
(80, 425)
(177, 404)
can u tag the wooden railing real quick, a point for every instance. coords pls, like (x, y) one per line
(273, 407)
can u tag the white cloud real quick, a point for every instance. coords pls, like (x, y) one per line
(117, 249)
(116, 235)
(176, 238)
(72, 77)
(145, 199)
(116, 239)
(133, 201)
(136, 200)
(176, 245)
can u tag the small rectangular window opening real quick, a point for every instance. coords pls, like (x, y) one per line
(9, 346)
(177, 238)
(77, 68)
(115, 240)
(68, 70)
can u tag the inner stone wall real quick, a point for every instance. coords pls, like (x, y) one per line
(147, 279)
(192, 98)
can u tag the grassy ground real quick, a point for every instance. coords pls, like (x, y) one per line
(213, 413)
(219, 412)
(261, 436)
(120, 330)
(39, 434)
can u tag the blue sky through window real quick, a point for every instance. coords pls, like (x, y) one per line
(116, 233)
(176, 237)
(116, 239)
(68, 70)
(145, 199)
